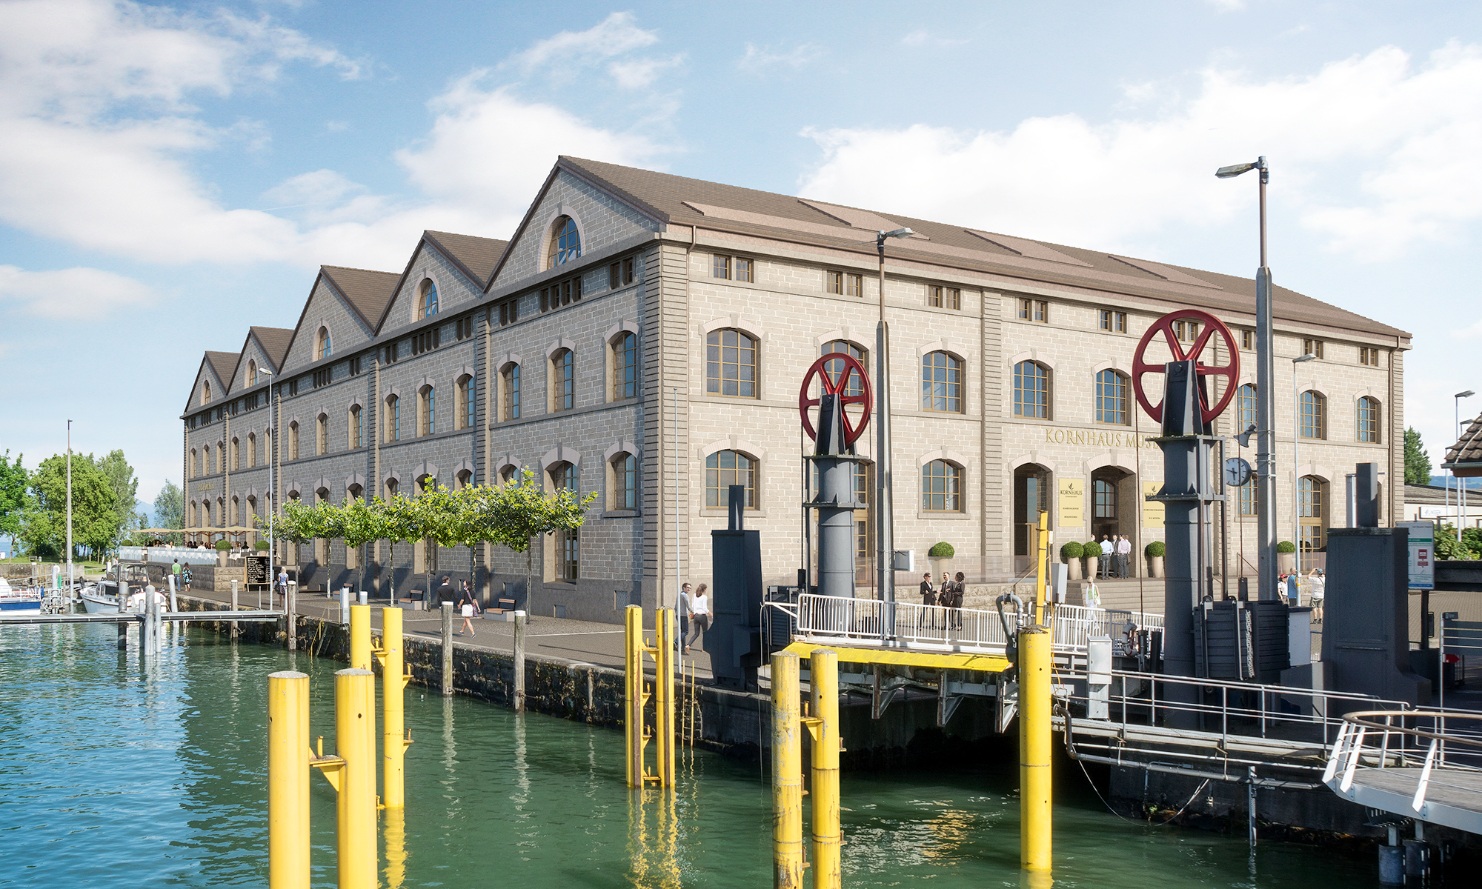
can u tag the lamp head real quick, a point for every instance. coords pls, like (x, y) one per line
(1234, 170)
(1244, 436)
(1301, 358)
(1467, 394)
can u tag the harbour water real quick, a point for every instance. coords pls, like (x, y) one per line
(121, 775)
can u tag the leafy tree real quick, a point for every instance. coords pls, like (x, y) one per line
(1417, 461)
(362, 522)
(169, 510)
(515, 513)
(95, 514)
(13, 481)
(125, 486)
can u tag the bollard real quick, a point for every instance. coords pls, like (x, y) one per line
(360, 637)
(1035, 748)
(633, 697)
(123, 627)
(362, 594)
(394, 743)
(288, 780)
(787, 774)
(664, 626)
(344, 591)
(291, 606)
(823, 671)
(447, 615)
(344, 608)
(355, 743)
(521, 622)
(235, 630)
(174, 604)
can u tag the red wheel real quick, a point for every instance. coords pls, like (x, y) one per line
(1209, 326)
(849, 370)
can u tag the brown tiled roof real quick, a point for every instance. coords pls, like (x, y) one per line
(368, 292)
(275, 342)
(223, 363)
(684, 201)
(476, 255)
(1464, 458)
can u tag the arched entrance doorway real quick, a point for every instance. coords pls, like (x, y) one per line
(1031, 496)
(1114, 505)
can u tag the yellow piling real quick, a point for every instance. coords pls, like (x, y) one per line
(664, 639)
(787, 774)
(823, 671)
(1042, 554)
(288, 780)
(355, 743)
(633, 696)
(1035, 748)
(360, 637)
(394, 679)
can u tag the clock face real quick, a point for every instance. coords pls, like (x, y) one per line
(1237, 472)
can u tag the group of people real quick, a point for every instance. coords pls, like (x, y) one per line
(463, 598)
(695, 606)
(1116, 556)
(1315, 582)
(947, 597)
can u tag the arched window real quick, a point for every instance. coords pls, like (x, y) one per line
(507, 474)
(323, 347)
(427, 306)
(941, 382)
(356, 430)
(467, 402)
(563, 380)
(1368, 420)
(1314, 415)
(726, 468)
(565, 242)
(509, 395)
(426, 410)
(1312, 502)
(622, 491)
(1032, 390)
(205, 460)
(321, 435)
(391, 428)
(251, 372)
(730, 363)
(462, 479)
(941, 487)
(624, 366)
(191, 469)
(568, 543)
(1111, 398)
(393, 486)
(251, 449)
(836, 367)
(1245, 408)
(236, 461)
(205, 391)
(293, 440)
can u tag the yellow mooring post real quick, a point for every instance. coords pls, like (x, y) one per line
(360, 637)
(394, 738)
(664, 639)
(787, 774)
(633, 696)
(355, 742)
(1036, 819)
(823, 671)
(288, 780)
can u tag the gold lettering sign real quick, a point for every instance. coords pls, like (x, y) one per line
(1152, 510)
(1072, 505)
(1100, 438)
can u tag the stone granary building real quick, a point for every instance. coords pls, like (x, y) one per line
(645, 336)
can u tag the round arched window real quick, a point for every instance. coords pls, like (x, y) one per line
(565, 242)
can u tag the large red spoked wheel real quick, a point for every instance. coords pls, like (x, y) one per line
(850, 374)
(1208, 327)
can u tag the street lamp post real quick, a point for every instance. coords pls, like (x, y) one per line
(272, 478)
(884, 520)
(1461, 491)
(1265, 401)
(1296, 464)
(71, 578)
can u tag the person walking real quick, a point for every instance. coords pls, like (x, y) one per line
(1091, 594)
(1317, 588)
(468, 608)
(175, 573)
(699, 608)
(185, 578)
(684, 612)
(282, 585)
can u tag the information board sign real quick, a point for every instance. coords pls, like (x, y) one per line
(259, 572)
(1422, 554)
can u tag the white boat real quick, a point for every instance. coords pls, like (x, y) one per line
(100, 598)
(23, 601)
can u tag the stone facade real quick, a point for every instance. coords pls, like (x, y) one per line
(676, 272)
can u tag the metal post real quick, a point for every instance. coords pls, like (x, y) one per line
(787, 774)
(447, 671)
(355, 743)
(664, 632)
(823, 667)
(291, 606)
(1296, 478)
(1250, 805)
(235, 629)
(360, 637)
(288, 780)
(633, 698)
(394, 741)
(71, 578)
(521, 623)
(1035, 749)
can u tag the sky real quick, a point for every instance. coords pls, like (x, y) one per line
(171, 173)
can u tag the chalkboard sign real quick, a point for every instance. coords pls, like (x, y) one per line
(259, 572)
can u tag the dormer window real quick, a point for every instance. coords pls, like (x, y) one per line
(323, 347)
(565, 242)
(251, 372)
(428, 304)
(205, 391)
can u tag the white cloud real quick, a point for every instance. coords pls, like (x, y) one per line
(1395, 140)
(922, 37)
(561, 56)
(633, 74)
(761, 60)
(75, 294)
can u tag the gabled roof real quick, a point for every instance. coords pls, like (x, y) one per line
(274, 342)
(476, 256)
(1464, 458)
(222, 364)
(369, 293)
(671, 199)
(218, 365)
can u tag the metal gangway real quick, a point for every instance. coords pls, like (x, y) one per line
(1419, 764)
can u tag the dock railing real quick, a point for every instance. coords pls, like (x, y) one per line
(1393, 740)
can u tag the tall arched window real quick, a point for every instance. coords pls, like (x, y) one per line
(426, 410)
(1032, 390)
(206, 460)
(191, 469)
(563, 380)
(1111, 398)
(730, 363)
(622, 491)
(565, 242)
(836, 367)
(624, 366)
(293, 440)
(726, 468)
(467, 402)
(251, 449)
(251, 372)
(205, 391)
(941, 382)
(568, 543)
(428, 305)
(391, 430)
(323, 347)
(509, 395)
(321, 435)
(941, 487)
(1314, 415)
(462, 479)
(1245, 408)
(356, 431)
(1368, 420)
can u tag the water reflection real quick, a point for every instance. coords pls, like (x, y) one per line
(653, 839)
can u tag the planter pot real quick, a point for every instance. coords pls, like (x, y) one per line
(1073, 569)
(1091, 563)
(1285, 562)
(1155, 566)
(221, 558)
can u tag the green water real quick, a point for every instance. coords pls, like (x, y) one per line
(121, 776)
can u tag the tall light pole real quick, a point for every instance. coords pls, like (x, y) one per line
(884, 520)
(1461, 491)
(1296, 464)
(272, 478)
(71, 579)
(1265, 401)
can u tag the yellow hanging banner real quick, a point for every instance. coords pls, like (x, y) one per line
(1071, 517)
(1152, 510)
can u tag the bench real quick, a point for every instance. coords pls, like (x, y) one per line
(503, 607)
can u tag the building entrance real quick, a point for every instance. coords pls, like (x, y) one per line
(1114, 511)
(1031, 496)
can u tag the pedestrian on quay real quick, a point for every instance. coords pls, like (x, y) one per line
(1124, 556)
(1104, 562)
(1091, 594)
(185, 578)
(282, 585)
(699, 607)
(175, 572)
(1317, 586)
(469, 609)
(928, 597)
(959, 590)
(684, 612)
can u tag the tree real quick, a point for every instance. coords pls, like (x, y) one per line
(13, 481)
(518, 511)
(169, 510)
(1417, 461)
(95, 514)
(125, 486)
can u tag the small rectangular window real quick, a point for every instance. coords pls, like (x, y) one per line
(1186, 331)
(1312, 347)
(628, 270)
(1248, 340)
(853, 285)
(833, 282)
(720, 266)
(941, 297)
(745, 270)
(1368, 356)
(612, 276)
(1036, 310)
(1112, 322)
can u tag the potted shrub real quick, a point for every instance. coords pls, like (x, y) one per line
(939, 552)
(1154, 554)
(1092, 550)
(1071, 553)
(1286, 556)
(223, 547)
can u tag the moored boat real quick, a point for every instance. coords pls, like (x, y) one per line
(22, 601)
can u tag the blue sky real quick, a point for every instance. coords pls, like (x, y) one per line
(171, 173)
